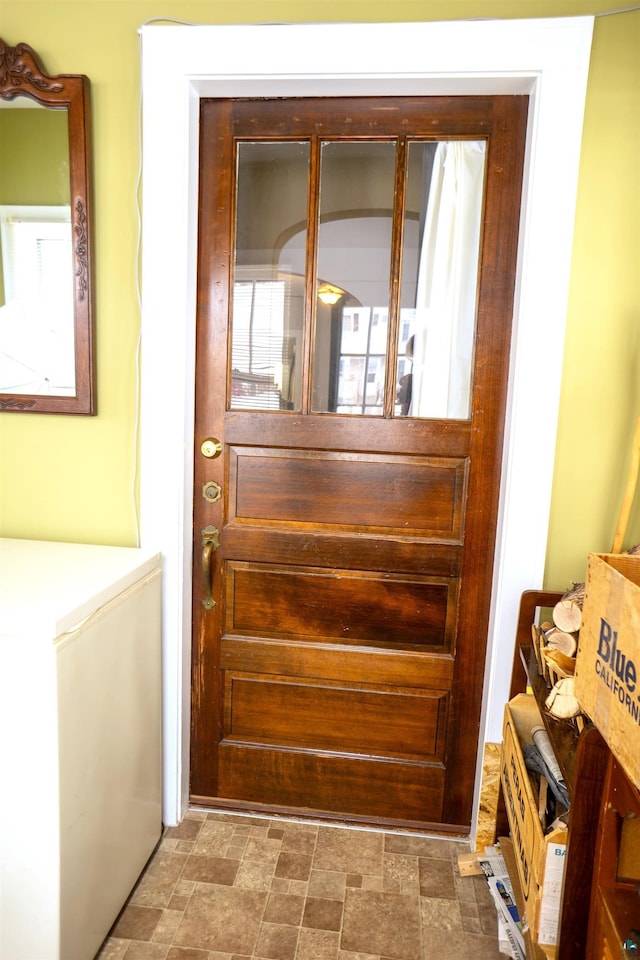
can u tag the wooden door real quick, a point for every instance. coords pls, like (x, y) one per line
(344, 528)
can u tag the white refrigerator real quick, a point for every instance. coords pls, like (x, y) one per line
(80, 741)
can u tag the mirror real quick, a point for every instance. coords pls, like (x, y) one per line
(46, 271)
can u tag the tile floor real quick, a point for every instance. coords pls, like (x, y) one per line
(228, 887)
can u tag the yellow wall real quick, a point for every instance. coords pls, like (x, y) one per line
(72, 478)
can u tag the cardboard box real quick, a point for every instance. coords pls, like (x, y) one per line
(608, 658)
(540, 858)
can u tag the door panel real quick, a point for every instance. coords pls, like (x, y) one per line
(418, 495)
(336, 606)
(340, 670)
(309, 782)
(334, 717)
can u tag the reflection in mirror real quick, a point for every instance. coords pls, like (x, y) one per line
(36, 261)
(46, 361)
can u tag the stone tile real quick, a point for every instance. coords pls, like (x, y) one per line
(223, 919)
(137, 923)
(383, 924)
(184, 888)
(297, 827)
(293, 866)
(236, 847)
(471, 925)
(187, 829)
(167, 844)
(284, 908)
(488, 919)
(437, 912)
(276, 942)
(298, 838)
(298, 888)
(317, 945)
(167, 926)
(260, 831)
(113, 949)
(158, 883)
(146, 951)
(242, 830)
(281, 885)
(465, 888)
(178, 902)
(372, 883)
(214, 839)
(348, 955)
(399, 866)
(255, 876)
(437, 878)
(468, 908)
(262, 850)
(329, 884)
(188, 953)
(353, 851)
(322, 914)
(184, 846)
(410, 888)
(389, 885)
(211, 870)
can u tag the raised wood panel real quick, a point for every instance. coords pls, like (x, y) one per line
(339, 605)
(263, 543)
(377, 788)
(384, 722)
(432, 671)
(393, 494)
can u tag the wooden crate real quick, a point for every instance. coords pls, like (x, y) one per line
(608, 658)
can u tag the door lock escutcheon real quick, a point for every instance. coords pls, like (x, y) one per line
(211, 491)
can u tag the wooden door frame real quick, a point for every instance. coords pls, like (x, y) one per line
(548, 59)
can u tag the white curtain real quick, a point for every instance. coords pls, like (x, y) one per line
(447, 283)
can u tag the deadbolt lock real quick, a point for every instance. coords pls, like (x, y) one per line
(211, 448)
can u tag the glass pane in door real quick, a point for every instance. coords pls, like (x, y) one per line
(441, 249)
(353, 276)
(268, 295)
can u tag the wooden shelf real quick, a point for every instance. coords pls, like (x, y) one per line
(582, 757)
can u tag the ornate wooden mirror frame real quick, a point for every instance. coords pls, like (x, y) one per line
(22, 75)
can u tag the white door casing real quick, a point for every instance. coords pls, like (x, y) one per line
(548, 59)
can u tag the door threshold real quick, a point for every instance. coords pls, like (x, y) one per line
(443, 831)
